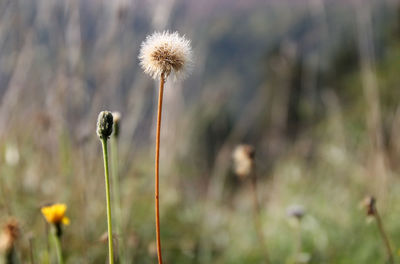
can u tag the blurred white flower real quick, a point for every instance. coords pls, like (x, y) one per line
(11, 155)
(243, 158)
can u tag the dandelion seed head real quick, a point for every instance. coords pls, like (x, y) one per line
(243, 158)
(369, 205)
(117, 123)
(104, 237)
(166, 53)
(116, 116)
(9, 235)
(12, 155)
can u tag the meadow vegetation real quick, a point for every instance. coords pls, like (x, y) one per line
(311, 88)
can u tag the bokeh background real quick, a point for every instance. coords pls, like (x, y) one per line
(312, 84)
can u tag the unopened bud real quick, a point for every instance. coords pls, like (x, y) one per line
(369, 203)
(296, 211)
(8, 236)
(243, 157)
(104, 124)
(117, 123)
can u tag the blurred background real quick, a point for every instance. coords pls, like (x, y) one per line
(313, 85)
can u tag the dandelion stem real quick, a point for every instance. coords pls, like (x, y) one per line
(257, 217)
(31, 256)
(9, 258)
(385, 238)
(116, 192)
(159, 113)
(107, 181)
(297, 248)
(57, 244)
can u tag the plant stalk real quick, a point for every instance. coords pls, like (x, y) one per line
(297, 248)
(157, 166)
(385, 237)
(116, 193)
(31, 256)
(257, 217)
(107, 183)
(57, 245)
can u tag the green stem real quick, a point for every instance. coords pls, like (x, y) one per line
(57, 244)
(116, 192)
(107, 181)
(297, 248)
(385, 238)
(9, 258)
(31, 256)
(257, 216)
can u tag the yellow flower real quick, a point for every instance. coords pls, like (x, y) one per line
(55, 214)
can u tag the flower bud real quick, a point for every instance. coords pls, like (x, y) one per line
(243, 157)
(104, 124)
(296, 211)
(9, 236)
(117, 119)
(369, 204)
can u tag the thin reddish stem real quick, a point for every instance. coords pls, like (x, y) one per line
(159, 112)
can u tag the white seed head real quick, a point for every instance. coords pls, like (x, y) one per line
(243, 158)
(12, 155)
(116, 123)
(166, 53)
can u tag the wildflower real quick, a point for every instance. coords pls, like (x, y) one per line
(104, 125)
(104, 130)
(55, 214)
(117, 123)
(164, 53)
(296, 211)
(12, 156)
(116, 197)
(104, 237)
(243, 157)
(9, 236)
(369, 204)
(160, 55)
